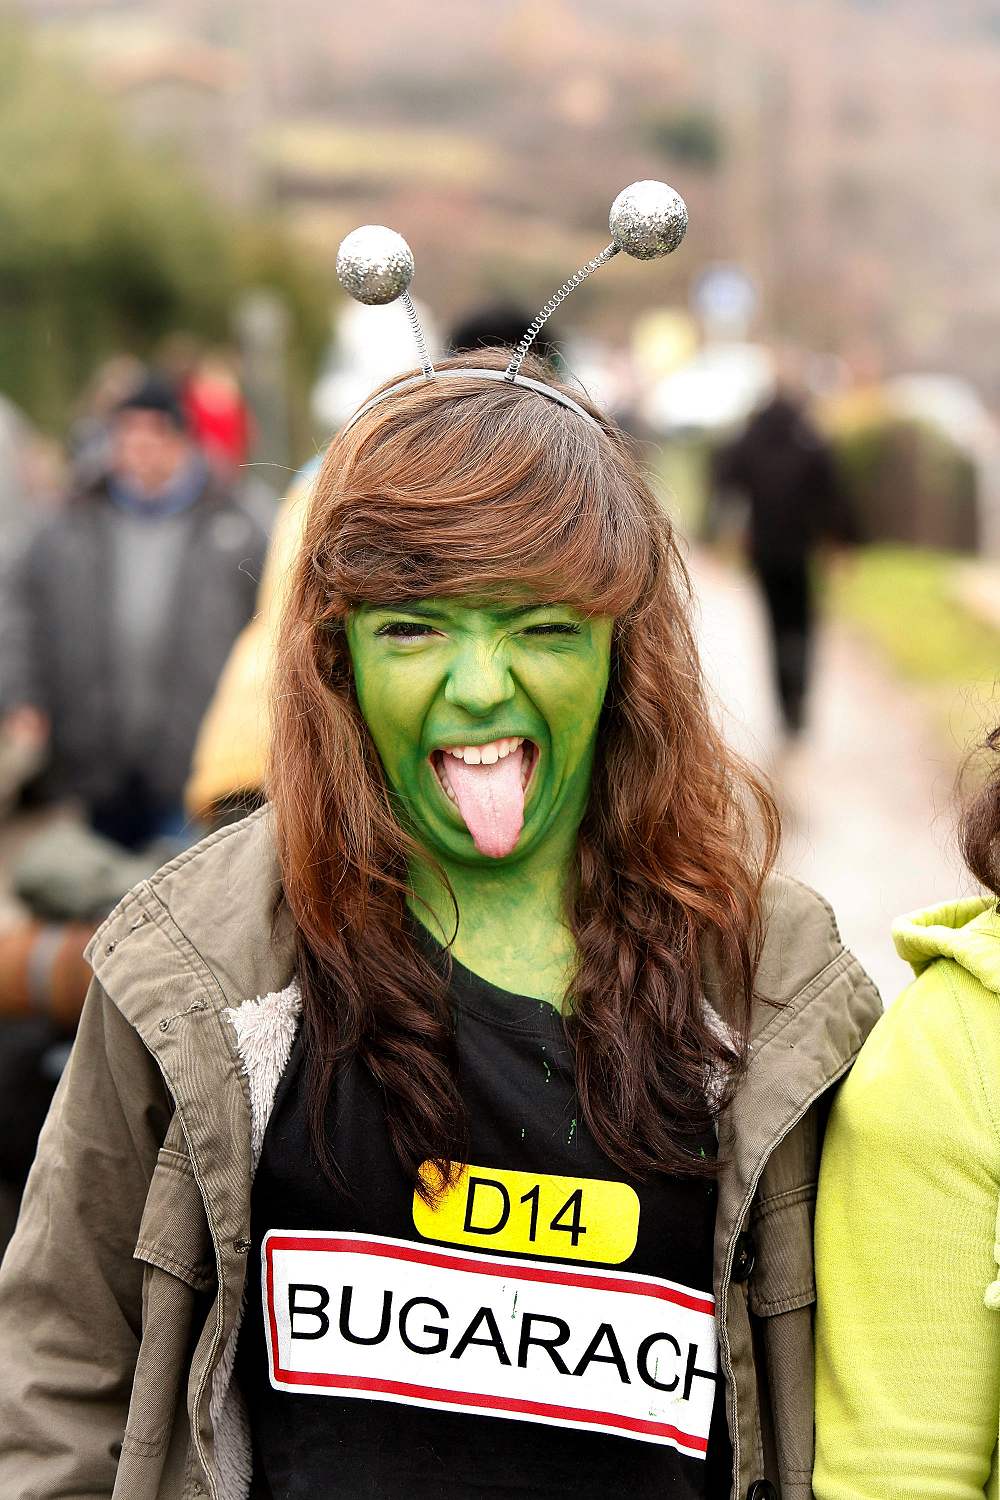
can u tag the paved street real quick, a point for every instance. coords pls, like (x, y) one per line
(866, 793)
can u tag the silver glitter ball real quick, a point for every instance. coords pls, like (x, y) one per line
(648, 220)
(375, 265)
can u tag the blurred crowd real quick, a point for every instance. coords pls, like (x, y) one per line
(121, 594)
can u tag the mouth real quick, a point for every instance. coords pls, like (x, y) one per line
(487, 783)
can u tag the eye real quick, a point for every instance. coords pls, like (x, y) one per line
(556, 628)
(404, 630)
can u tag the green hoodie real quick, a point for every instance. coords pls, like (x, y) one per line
(907, 1235)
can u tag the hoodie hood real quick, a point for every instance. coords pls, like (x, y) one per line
(966, 931)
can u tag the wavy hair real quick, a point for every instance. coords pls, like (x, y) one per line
(979, 828)
(463, 488)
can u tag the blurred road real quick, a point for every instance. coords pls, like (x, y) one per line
(865, 794)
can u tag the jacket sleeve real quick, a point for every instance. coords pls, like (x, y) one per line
(908, 1355)
(70, 1291)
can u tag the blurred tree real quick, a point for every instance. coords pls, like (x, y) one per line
(104, 248)
(692, 138)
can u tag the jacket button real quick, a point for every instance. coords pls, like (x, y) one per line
(241, 1246)
(762, 1489)
(743, 1264)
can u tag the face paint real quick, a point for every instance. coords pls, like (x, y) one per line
(485, 719)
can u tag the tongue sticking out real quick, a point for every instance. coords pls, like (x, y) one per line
(491, 800)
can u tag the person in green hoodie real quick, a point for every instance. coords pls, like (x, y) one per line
(907, 1223)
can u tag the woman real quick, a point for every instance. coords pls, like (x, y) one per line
(398, 1228)
(907, 1236)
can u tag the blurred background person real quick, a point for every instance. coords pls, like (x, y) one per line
(501, 325)
(219, 419)
(115, 621)
(786, 472)
(118, 617)
(230, 752)
(89, 438)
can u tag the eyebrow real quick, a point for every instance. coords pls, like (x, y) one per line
(406, 607)
(430, 611)
(527, 609)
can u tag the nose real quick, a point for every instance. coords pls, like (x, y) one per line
(479, 679)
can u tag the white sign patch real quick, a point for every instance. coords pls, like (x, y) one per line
(390, 1320)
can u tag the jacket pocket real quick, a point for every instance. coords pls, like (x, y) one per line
(175, 1245)
(783, 1277)
(174, 1232)
(169, 1316)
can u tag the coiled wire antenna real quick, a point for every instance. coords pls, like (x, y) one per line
(418, 334)
(535, 328)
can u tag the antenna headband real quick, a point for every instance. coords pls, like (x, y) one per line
(375, 265)
(534, 385)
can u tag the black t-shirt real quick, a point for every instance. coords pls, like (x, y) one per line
(548, 1329)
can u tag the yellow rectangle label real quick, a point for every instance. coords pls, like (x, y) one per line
(563, 1218)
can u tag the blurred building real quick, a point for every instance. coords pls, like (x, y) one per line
(861, 179)
(844, 152)
(176, 90)
(188, 96)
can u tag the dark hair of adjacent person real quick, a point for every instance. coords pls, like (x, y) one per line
(480, 490)
(979, 831)
(500, 325)
(156, 394)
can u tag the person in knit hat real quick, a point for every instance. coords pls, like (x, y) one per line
(117, 618)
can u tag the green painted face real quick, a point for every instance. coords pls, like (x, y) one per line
(441, 675)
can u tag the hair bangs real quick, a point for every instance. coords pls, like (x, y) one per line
(486, 491)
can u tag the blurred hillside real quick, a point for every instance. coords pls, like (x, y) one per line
(107, 247)
(843, 150)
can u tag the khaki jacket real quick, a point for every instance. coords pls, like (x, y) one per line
(122, 1287)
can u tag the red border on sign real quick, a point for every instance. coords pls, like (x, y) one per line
(526, 1271)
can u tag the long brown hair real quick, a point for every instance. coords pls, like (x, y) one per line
(469, 488)
(979, 830)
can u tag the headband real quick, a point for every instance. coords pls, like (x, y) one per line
(375, 266)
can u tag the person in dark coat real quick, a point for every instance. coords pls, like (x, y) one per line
(786, 471)
(116, 620)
